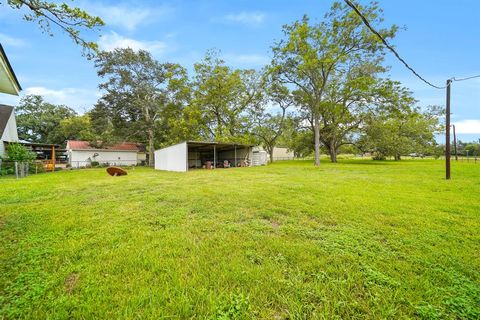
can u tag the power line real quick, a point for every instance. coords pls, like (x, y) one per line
(467, 78)
(365, 21)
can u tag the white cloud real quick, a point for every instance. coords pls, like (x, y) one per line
(79, 99)
(126, 16)
(247, 60)
(471, 126)
(11, 41)
(113, 40)
(246, 18)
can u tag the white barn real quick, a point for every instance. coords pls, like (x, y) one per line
(82, 154)
(9, 85)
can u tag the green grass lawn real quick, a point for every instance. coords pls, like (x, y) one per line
(353, 240)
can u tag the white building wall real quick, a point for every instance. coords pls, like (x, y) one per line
(279, 153)
(282, 153)
(173, 158)
(9, 134)
(141, 156)
(82, 158)
(260, 158)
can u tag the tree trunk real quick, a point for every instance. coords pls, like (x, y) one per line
(316, 129)
(151, 151)
(270, 152)
(397, 157)
(150, 134)
(333, 153)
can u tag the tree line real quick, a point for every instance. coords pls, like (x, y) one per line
(326, 89)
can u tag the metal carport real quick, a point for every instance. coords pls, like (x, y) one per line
(201, 154)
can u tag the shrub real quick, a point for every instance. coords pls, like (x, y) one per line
(7, 171)
(36, 167)
(378, 156)
(18, 152)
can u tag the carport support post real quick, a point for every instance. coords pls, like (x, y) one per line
(214, 157)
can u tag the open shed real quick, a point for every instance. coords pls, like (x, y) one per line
(203, 155)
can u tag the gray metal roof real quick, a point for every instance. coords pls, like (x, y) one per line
(206, 145)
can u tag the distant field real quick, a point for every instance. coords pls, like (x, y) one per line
(354, 240)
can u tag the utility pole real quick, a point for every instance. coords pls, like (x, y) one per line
(455, 143)
(447, 133)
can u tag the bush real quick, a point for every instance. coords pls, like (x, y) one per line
(95, 164)
(36, 167)
(7, 170)
(378, 156)
(18, 152)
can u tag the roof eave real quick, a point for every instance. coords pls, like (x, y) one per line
(10, 73)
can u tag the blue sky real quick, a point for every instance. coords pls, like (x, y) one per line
(440, 40)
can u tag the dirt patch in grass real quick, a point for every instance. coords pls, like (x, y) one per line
(275, 224)
(71, 282)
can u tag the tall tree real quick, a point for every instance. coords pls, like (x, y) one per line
(38, 120)
(399, 127)
(297, 136)
(312, 54)
(350, 97)
(76, 128)
(269, 117)
(71, 20)
(139, 93)
(222, 97)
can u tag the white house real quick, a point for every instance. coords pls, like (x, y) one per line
(82, 154)
(9, 85)
(8, 127)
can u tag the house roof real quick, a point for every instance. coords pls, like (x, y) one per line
(5, 113)
(123, 146)
(8, 80)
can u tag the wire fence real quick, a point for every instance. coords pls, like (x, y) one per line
(104, 163)
(20, 169)
(473, 159)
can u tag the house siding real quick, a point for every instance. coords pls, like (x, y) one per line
(82, 158)
(9, 134)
